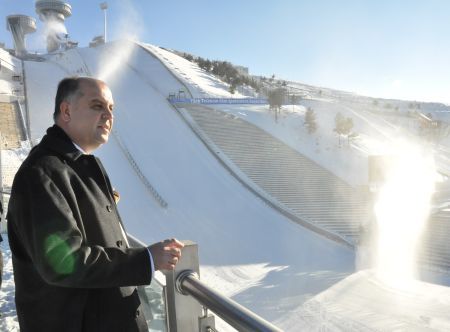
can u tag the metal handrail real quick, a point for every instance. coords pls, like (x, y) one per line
(232, 312)
(188, 283)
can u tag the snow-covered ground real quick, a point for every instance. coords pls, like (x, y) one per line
(8, 319)
(200, 83)
(362, 302)
(247, 250)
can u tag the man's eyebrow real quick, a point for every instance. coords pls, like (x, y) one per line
(96, 100)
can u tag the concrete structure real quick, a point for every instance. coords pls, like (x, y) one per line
(53, 12)
(20, 25)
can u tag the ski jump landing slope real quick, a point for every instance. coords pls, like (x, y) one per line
(247, 249)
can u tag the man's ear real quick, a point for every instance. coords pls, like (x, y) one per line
(64, 111)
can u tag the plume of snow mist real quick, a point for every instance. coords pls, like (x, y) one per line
(402, 209)
(113, 59)
(53, 31)
(54, 27)
(127, 29)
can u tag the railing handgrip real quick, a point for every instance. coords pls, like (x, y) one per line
(232, 312)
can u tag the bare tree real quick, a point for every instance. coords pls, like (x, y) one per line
(343, 127)
(276, 98)
(310, 120)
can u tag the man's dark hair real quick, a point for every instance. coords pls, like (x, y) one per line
(67, 89)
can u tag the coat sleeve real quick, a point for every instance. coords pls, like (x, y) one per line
(55, 244)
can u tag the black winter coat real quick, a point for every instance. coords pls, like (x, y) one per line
(72, 267)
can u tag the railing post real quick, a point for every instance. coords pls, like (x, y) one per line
(183, 311)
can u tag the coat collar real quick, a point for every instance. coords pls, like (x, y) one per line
(58, 141)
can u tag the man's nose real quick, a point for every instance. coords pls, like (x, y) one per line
(107, 115)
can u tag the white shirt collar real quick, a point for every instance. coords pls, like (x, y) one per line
(78, 147)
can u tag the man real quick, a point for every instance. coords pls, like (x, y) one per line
(73, 268)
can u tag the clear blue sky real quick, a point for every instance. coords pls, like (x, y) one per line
(383, 48)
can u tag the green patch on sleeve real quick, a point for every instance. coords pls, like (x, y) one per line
(59, 255)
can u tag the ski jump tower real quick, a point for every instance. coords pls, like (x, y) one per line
(53, 13)
(20, 25)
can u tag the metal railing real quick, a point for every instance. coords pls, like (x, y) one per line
(187, 299)
(239, 317)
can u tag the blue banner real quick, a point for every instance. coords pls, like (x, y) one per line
(257, 101)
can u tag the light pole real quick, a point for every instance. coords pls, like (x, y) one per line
(104, 7)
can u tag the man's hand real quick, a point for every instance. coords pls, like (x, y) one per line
(166, 254)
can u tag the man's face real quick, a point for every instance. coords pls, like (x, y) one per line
(89, 117)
